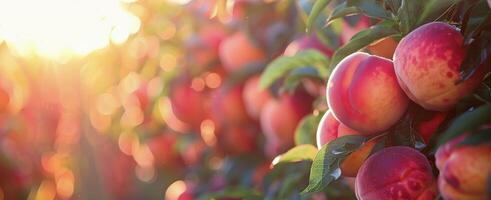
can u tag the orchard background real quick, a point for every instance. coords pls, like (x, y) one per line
(245, 99)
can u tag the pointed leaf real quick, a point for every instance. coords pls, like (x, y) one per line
(319, 5)
(298, 153)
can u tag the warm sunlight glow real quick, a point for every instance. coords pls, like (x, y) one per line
(60, 28)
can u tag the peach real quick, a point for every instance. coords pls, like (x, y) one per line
(464, 170)
(383, 48)
(188, 104)
(164, 150)
(330, 129)
(237, 140)
(427, 64)
(239, 50)
(228, 106)
(363, 93)
(280, 117)
(396, 173)
(307, 42)
(254, 97)
(4, 100)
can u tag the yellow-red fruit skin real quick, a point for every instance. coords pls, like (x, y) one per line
(464, 170)
(396, 173)
(427, 64)
(363, 93)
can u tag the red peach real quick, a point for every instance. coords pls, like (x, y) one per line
(307, 42)
(254, 97)
(396, 173)
(188, 104)
(427, 64)
(228, 106)
(363, 93)
(236, 140)
(464, 170)
(238, 50)
(330, 129)
(164, 150)
(280, 117)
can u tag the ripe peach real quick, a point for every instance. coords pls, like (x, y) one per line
(203, 47)
(238, 50)
(307, 42)
(164, 150)
(330, 129)
(427, 64)
(236, 140)
(363, 93)
(383, 48)
(396, 173)
(228, 106)
(280, 117)
(254, 97)
(188, 104)
(464, 170)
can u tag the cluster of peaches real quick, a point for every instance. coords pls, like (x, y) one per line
(369, 94)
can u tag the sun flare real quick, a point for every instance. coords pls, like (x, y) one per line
(60, 28)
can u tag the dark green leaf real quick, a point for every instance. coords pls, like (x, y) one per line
(363, 39)
(282, 65)
(479, 53)
(306, 130)
(325, 167)
(342, 10)
(295, 77)
(371, 8)
(407, 14)
(234, 192)
(319, 5)
(298, 153)
(466, 122)
(479, 137)
(433, 9)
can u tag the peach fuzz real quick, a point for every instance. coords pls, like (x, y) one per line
(464, 170)
(363, 93)
(330, 129)
(238, 50)
(427, 64)
(280, 118)
(396, 173)
(254, 97)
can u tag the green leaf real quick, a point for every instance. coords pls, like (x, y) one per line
(479, 137)
(478, 53)
(433, 9)
(342, 10)
(325, 167)
(363, 39)
(282, 65)
(466, 122)
(371, 8)
(234, 192)
(319, 5)
(406, 14)
(298, 153)
(306, 130)
(295, 77)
